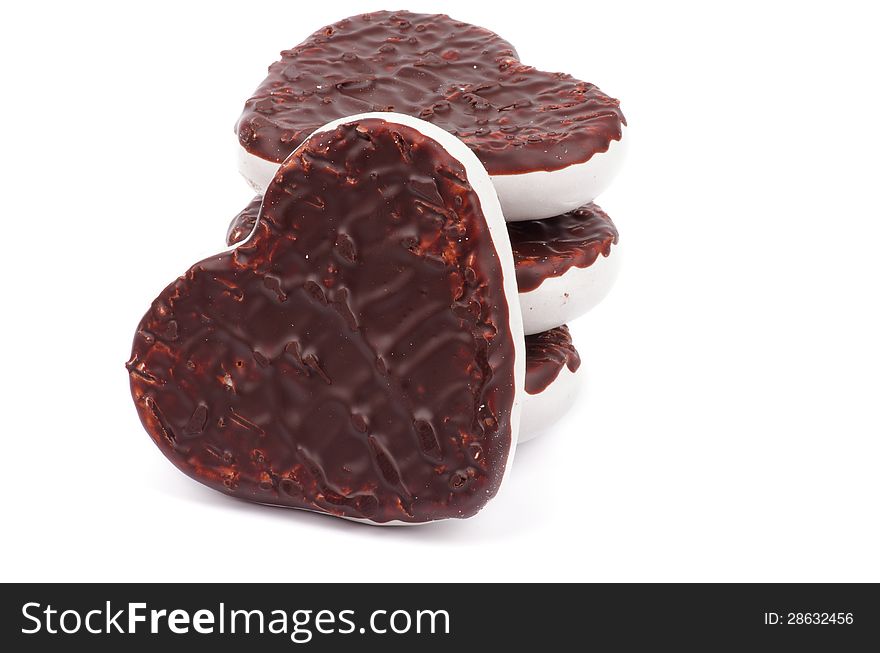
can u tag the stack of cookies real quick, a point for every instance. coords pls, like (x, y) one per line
(551, 144)
(391, 317)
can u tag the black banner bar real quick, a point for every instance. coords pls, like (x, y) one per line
(428, 617)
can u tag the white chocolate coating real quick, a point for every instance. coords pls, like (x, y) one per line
(559, 300)
(541, 411)
(542, 194)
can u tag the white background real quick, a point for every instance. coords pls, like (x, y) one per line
(729, 427)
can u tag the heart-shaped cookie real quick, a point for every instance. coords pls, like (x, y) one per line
(361, 353)
(550, 142)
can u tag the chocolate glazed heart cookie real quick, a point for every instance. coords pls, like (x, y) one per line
(550, 142)
(358, 354)
(540, 247)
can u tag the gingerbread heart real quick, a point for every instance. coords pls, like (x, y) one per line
(549, 141)
(361, 353)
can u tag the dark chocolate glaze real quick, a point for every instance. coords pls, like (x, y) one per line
(461, 77)
(541, 248)
(549, 248)
(546, 353)
(354, 355)
(243, 224)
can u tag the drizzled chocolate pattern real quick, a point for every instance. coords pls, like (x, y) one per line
(354, 356)
(549, 248)
(461, 77)
(546, 354)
